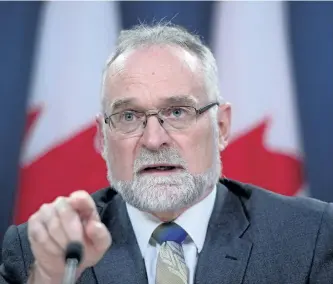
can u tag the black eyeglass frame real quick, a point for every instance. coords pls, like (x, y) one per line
(198, 112)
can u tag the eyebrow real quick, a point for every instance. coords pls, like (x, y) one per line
(185, 100)
(119, 103)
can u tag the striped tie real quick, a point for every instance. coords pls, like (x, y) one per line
(171, 267)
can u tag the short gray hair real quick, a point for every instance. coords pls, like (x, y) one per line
(171, 35)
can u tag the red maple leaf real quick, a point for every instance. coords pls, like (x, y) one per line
(248, 160)
(70, 166)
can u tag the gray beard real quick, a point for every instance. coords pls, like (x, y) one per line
(166, 193)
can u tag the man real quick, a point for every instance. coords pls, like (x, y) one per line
(169, 217)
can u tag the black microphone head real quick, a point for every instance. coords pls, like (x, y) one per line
(74, 250)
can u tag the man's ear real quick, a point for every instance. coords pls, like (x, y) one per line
(99, 138)
(224, 124)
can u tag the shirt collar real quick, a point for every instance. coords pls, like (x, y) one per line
(144, 223)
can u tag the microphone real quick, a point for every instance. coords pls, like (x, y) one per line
(73, 257)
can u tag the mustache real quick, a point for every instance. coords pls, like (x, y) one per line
(163, 156)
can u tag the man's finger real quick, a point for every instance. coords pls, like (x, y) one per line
(83, 203)
(57, 232)
(69, 220)
(46, 213)
(99, 235)
(37, 232)
(39, 237)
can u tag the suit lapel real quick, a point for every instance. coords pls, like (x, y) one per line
(225, 254)
(123, 261)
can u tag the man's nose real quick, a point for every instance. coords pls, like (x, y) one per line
(154, 135)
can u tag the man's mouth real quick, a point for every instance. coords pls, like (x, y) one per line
(160, 169)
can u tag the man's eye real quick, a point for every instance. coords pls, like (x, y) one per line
(127, 116)
(177, 112)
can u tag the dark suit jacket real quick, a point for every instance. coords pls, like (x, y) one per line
(254, 236)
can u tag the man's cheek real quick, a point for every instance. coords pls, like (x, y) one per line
(124, 168)
(199, 160)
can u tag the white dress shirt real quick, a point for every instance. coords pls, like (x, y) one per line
(194, 221)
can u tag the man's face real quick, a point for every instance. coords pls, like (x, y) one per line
(158, 169)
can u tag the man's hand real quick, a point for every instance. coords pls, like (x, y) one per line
(50, 230)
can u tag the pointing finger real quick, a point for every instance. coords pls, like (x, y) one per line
(83, 203)
(69, 219)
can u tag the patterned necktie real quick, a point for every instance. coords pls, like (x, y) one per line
(171, 267)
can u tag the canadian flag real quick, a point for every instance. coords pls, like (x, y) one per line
(59, 156)
(251, 47)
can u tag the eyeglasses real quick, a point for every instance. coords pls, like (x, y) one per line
(171, 118)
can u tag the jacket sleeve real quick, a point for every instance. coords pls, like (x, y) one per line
(13, 268)
(322, 263)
